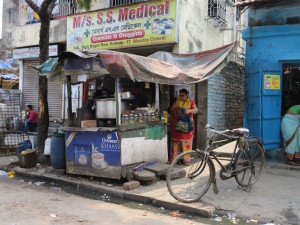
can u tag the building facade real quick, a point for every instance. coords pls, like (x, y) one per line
(9, 20)
(272, 67)
(194, 26)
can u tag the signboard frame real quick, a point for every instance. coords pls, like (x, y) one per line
(33, 52)
(125, 26)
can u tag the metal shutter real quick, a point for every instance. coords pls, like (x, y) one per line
(30, 87)
(31, 90)
(54, 100)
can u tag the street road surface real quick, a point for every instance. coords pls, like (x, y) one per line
(22, 204)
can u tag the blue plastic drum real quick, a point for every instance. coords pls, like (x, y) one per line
(58, 151)
(34, 141)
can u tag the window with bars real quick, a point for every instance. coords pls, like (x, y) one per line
(217, 9)
(114, 3)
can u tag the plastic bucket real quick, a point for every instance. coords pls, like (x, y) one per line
(57, 151)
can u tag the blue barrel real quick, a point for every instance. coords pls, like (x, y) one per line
(58, 151)
(34, 141)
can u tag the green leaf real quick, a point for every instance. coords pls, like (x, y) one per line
(84, 4)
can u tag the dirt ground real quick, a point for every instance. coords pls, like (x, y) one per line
(22, 204)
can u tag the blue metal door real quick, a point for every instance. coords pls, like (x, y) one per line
(253, 101)
(271, 105)
(263, 103)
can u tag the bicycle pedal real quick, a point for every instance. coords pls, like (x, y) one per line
(225, 175)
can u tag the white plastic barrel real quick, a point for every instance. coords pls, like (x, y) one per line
(47, 146)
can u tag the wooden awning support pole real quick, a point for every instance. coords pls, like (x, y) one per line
(69, 91)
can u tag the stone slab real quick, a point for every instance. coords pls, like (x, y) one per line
(159, 169)
(177, 173)
(131, 185)
(144, 175)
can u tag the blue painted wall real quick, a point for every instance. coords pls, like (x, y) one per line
(271, 44)
(276, 15)
(267, 48)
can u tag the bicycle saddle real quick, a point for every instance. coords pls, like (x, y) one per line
(241, 131)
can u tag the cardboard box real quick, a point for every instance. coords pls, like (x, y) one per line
(88, 123)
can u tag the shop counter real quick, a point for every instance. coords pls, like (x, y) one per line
(110, 152)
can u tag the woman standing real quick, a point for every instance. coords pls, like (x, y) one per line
(291, 134)
(181, 141)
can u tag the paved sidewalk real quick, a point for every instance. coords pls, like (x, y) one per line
(7, 161)
(273, 198)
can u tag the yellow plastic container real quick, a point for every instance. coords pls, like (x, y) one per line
(165, 114)
(11, 173)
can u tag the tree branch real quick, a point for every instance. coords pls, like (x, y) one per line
(32, 5)
(51, 7)
(44, 9)
(45, 4)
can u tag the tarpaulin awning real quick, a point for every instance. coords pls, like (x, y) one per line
(7, 69)
(255, 2)
(4, 65)
(8, 78)
(160, 67)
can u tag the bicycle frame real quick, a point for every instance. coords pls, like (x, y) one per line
(209, 152)
(243, 158)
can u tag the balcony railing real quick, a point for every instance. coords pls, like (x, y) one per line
(70, 7)
(114, 3)
(64, 8)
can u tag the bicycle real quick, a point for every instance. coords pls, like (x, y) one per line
(246, 164)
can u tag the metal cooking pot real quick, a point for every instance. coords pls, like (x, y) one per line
(106, 108)
(127, 95)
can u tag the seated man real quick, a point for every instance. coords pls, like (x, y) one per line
(31, 119)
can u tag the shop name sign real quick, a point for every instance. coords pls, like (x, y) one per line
(141, 24)
(34, 52)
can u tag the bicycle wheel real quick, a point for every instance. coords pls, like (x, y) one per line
(252, 160)
(196, 180)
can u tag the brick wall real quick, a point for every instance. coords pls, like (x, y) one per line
(216, 101)
(226, 95)
(235, 78)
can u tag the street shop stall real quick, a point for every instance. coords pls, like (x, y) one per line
(8, 76)
(124, 137)
(11, 122)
